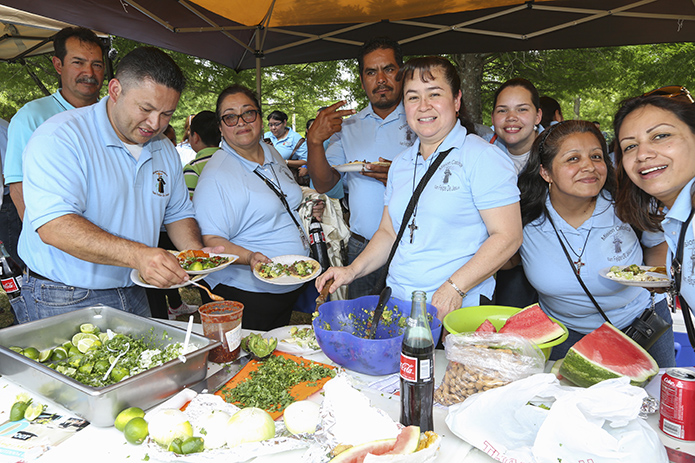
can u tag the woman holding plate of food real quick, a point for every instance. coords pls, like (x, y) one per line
(246, 200)
(466, 222)
(571, 233)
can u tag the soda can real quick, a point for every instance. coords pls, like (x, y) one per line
(677, 408)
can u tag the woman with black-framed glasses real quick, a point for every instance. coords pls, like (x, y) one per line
(246, 200)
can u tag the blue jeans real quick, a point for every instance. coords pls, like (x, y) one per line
(365, 285)
(663, 350)
(46, 298)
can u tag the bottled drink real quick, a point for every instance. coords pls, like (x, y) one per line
(317, 241)
(10, 274)
(417, 368)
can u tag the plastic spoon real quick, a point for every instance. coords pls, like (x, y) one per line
(108, 372)
(186, 340)
(214, 297)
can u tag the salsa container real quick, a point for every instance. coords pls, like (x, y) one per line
(101, 405)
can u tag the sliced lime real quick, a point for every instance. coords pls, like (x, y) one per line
(103, 337)
(87, 328)
(67, 345)
(17, 410)
(19, 350)
(33, 411)
(31, 352)
(79, 336)
(59, 353)
(83, 345)
(45, 355)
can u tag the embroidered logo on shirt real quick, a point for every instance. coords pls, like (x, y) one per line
(446, 181)
(616, 243)
(612, 243)
(160, 182)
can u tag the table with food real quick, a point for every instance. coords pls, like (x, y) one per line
(363, 382)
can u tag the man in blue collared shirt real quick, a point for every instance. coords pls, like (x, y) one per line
(99, 182)
(377, 133)
(79, 62)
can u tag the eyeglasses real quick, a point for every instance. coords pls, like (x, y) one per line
(272, 125)
(672, 91)
(230, 120)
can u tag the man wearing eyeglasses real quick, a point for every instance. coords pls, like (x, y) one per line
(99, 182)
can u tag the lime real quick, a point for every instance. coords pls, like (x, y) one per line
(86, 368)
(135, 431)
(83, 345)
(17, 410)
(76, 360)
(126, 415)
(19, 350)
(79, 336)
(33, 411)
(175, 446)
(192, 445)
(67, 345)
(31, 352)
(89, 328)
(102, 365)
(59, 353)
(195, 267)
(103, 337)
(119, 373)
(45, 355)
(73, 351)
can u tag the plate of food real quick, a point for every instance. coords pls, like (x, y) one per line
(358, 166)
(137, 279)
(197, 262)
(295, 339)
(288, 270)
(637, 275)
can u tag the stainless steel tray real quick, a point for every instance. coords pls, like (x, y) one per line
(100, 405)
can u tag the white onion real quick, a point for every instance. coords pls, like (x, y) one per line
(302, 417)
(213, 428)
(249, 425)
(167, 424)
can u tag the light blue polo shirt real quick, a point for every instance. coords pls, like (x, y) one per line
(474, 176)
(285, 145)
(366, 137)
(610, 242)
(23, 124)
(675, 218)
(234, 203)
(76, 164)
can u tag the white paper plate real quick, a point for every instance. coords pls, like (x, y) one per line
(287, 280)
(135, 278)
(284, 333)
(353, 167)
(232, 258)
(663, 282)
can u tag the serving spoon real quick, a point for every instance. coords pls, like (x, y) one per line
(214, 297)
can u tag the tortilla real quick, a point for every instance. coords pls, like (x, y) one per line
(312, 265)
(265, 271)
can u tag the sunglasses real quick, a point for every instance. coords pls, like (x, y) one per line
(672, 91)
(230, 120)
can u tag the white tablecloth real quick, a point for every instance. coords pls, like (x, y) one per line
(103, 445)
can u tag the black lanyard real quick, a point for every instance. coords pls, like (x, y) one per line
(283, 200)
(676, 268)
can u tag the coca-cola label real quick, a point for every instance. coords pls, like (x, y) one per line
(10, 285)
(408, 368)
(312, 241)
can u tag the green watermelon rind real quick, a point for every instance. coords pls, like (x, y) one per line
(584, 372)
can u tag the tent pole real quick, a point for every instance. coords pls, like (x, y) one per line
(258, 65)
(35, 78)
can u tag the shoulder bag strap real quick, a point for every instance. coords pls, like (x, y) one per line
(676, 268)
(409, 211)
(296, 147)
(576, 273)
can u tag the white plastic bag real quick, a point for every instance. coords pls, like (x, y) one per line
(598, 424)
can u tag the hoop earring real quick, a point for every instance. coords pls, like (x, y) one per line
(550, 186)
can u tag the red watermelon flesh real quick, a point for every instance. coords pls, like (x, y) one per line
(486, 327)
(533, 324)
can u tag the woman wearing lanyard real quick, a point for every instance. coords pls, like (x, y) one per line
(246, 201)
(467, 219)
(655, 156)
(571, 232)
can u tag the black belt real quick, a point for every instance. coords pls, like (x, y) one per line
(38, 276)
(359, 238)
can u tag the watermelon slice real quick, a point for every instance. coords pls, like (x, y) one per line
(533, 324)
(406, 442)
(486, 327)
(607, 353)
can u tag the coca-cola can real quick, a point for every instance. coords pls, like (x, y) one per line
(677, 409)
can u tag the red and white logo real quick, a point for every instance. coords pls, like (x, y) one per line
(408, 368)
(10, 285)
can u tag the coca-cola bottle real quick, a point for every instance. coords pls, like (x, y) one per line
(11, 274)
(417, 367)
(317, 241)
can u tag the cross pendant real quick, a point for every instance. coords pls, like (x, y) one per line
(579, 264)
(412, 228)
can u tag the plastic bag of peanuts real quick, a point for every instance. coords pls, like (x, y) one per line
(482, 361)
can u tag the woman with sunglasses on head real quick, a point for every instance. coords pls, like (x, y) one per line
(571, 232)
(246, 200)
(655, 155)
(465, 224)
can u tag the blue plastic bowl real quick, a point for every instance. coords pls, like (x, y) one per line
(341, 328)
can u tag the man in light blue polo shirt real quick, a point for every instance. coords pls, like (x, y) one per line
(99, 182)
(79, 62)
(377, 133)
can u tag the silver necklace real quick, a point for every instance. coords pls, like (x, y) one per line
(412, 227)
(578, 264)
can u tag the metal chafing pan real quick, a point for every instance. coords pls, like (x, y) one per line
(100, 405)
